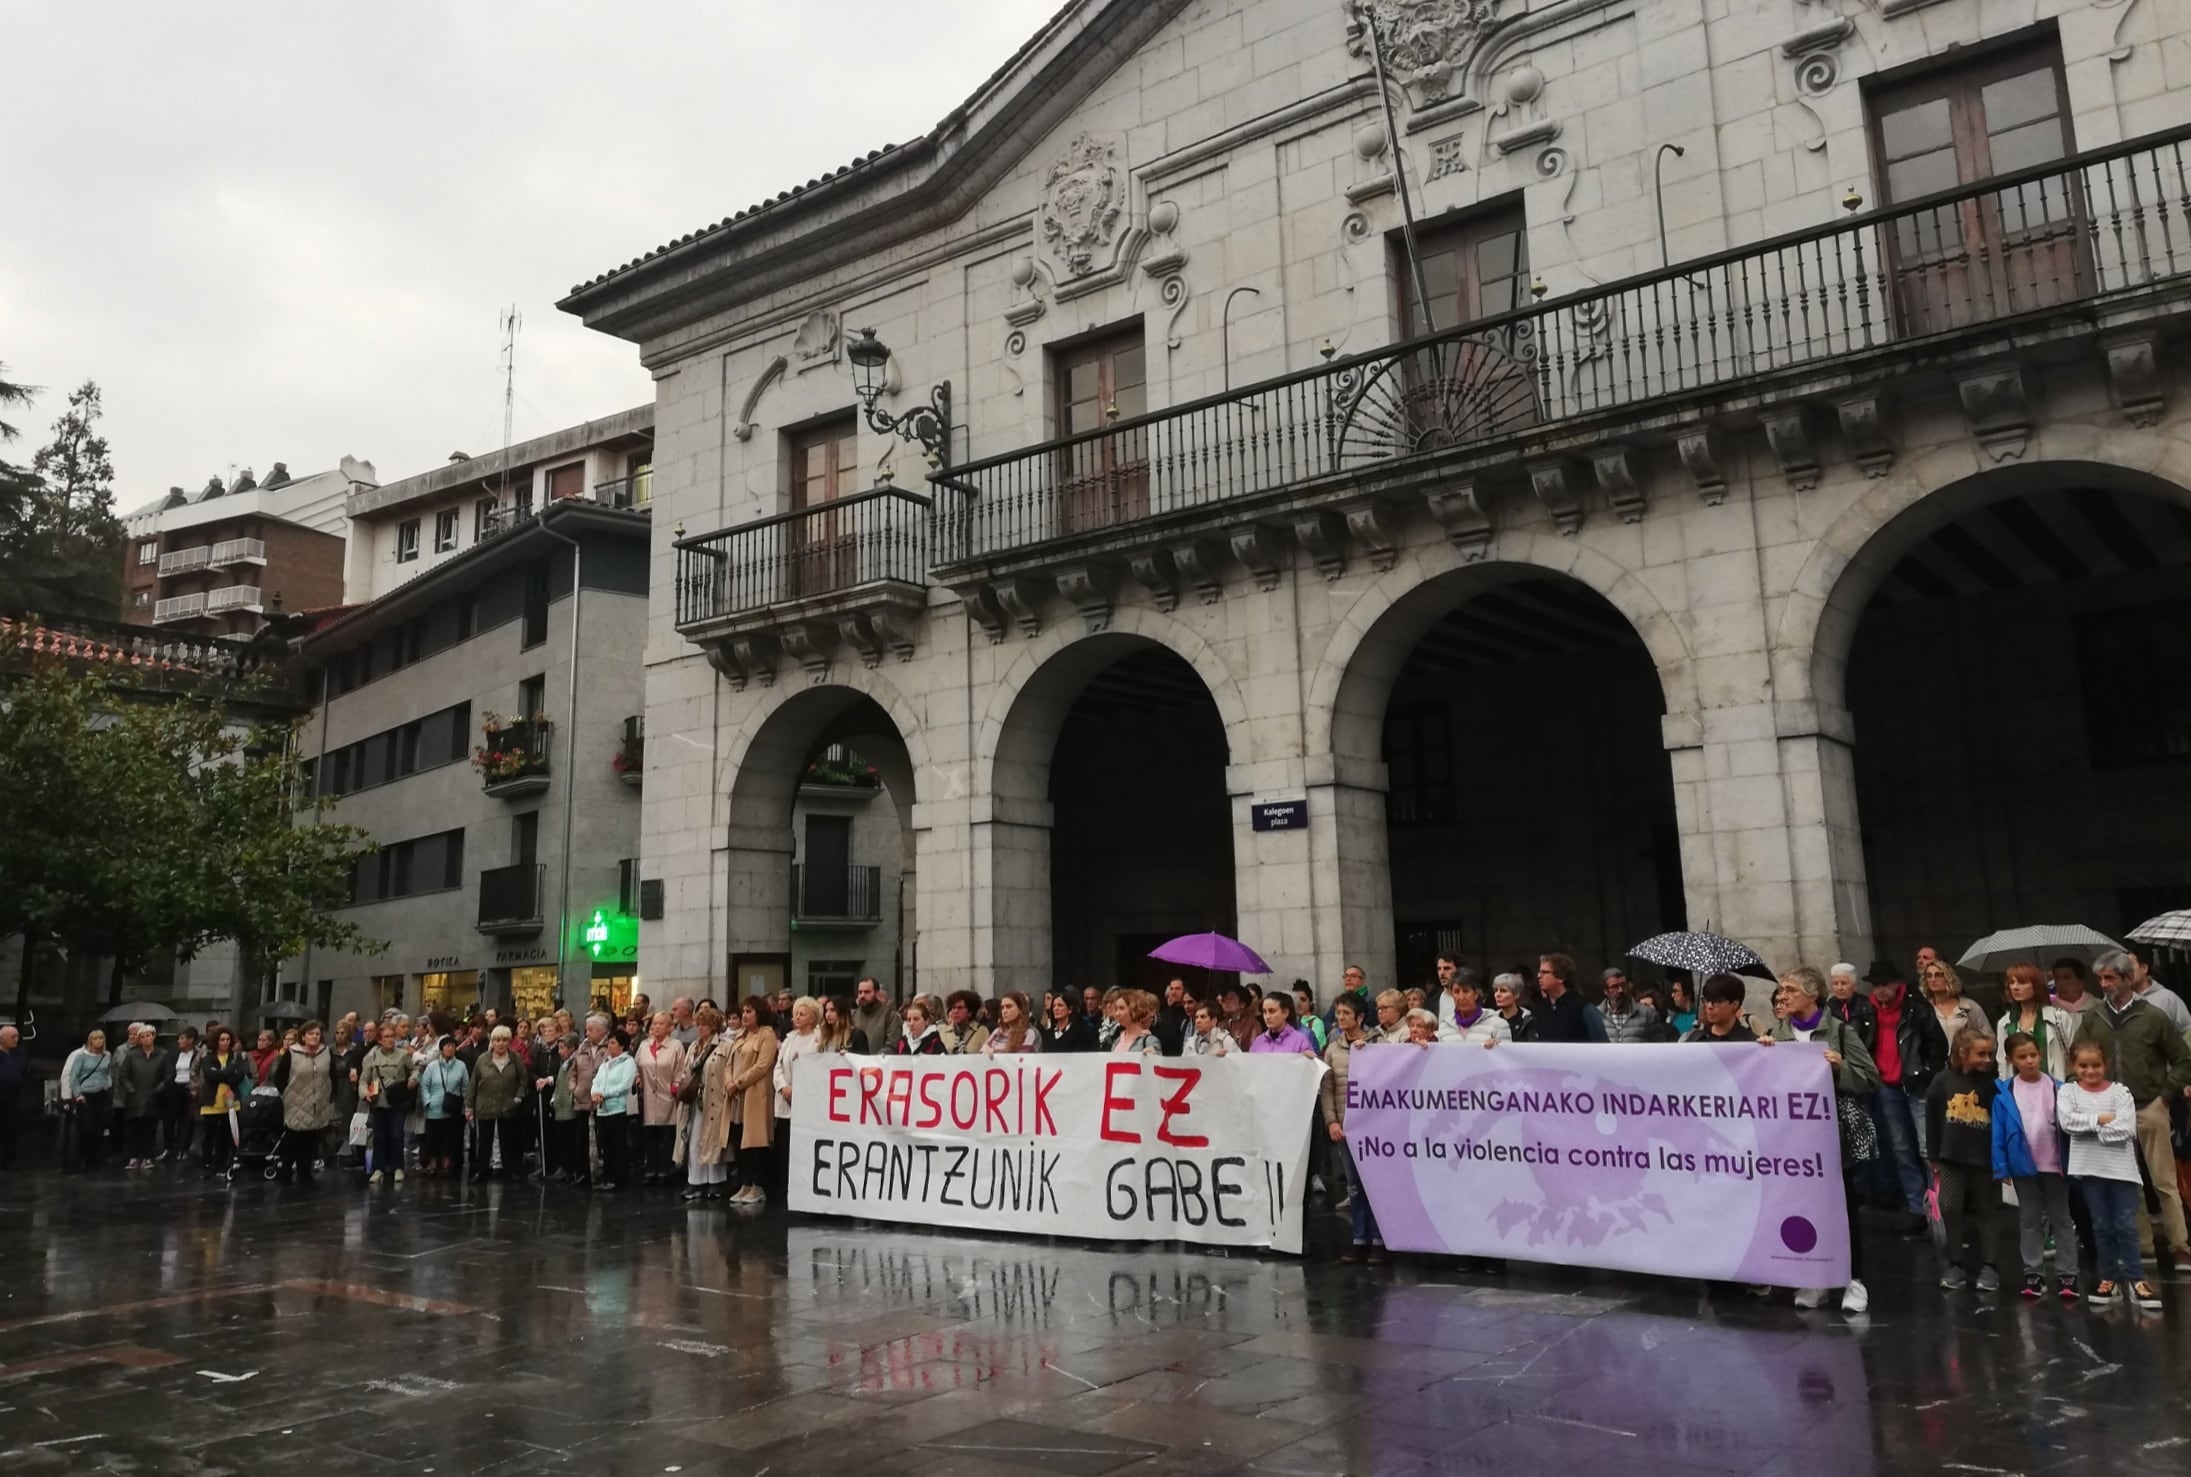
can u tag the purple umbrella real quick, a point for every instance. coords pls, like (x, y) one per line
(1211, 951)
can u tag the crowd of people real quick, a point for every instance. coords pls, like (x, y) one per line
(2060, 1120)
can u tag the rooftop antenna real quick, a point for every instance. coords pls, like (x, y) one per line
(511, 323)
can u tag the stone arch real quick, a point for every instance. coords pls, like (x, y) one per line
(1352, 679)
(1028, 704)
(1818, 617)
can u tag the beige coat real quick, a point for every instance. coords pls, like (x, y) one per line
(661, 1068)
(707, 1123)
(753, 1087)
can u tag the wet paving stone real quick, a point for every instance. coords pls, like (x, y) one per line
(164, 1324)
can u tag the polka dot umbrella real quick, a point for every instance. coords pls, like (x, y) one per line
(1701, 954)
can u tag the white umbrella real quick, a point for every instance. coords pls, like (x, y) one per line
(2169, 930)
(2039, 944)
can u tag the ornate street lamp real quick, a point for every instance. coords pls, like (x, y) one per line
(927, 425)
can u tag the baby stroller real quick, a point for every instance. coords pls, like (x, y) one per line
(258, 1133)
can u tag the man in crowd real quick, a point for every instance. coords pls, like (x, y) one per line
(1091, 1006)
(1175, 1018)
(14, 1087)
(1626, 1019)
(875, 1017)
(1910, 1050)
(2159, 996)
(2147, 1055)
(681, 1029)
(1243, 1023)
(1564, 1016)
(2071, 992)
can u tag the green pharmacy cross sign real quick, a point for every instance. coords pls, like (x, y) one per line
(608, 935)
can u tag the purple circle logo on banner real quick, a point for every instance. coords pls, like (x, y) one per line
(1798, 1234)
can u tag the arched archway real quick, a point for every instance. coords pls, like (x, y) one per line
(1511, 716)
(821, 858)
(2013, 653)
(1110, 822)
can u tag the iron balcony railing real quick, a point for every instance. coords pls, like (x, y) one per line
(2074, 231)
(836, 894)
(517, 756)
(872, 537)
(510, 897)
(182, 561)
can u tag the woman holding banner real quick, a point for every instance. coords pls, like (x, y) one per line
(1506, 994)
(1804, 1017)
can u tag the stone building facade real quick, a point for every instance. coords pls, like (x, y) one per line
(1368, 590)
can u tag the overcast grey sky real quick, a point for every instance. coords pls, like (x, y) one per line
(284, 231)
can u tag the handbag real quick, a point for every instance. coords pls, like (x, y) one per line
(361, 1128)
(1859, 1135)
(688, 1091)
(452, 1105)
(398, 1097)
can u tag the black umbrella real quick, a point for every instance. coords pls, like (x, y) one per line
(283, 1010)
(1702, 954)
(144, 1012)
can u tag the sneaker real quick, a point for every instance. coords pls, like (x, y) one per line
(1952, 1279)
(1351, 1254)
(2034, 1285)
(2146, 1296)
(1316, 1184)
(373, 1178)
(1809, 1297)
(2066, 1287)
(2105, 1292)
(399, 1176)
(1988, 1280)
(1855, 1299)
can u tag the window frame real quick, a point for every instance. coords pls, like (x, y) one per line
(148, 552)
(446, 529)
(407, 541)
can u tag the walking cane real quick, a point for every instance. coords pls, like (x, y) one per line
(541, 1105)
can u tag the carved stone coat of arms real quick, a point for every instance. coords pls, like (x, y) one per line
(1082, 199)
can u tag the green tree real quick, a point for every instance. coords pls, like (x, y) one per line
(141, 822)
(60, 543)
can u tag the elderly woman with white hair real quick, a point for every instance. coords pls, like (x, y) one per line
(492, 1103)
(1846, 1004)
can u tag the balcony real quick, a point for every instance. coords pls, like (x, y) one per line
(513, 759)
(851, 571)
(178, 608)
(234, 597)
(635, 491)
(183, 561)
(237, 551)
(510, 898)
(1552, 398)
(836, 897)
(630, 762)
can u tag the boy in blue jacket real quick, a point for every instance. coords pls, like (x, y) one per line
(2030, 1153)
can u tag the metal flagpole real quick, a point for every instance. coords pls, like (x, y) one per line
(1399, 170)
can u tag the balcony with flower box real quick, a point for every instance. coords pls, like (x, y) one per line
(513, 756)
(847, 575)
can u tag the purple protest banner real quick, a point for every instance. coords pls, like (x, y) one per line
(1721, 1162)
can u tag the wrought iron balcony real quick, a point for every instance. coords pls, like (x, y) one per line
(854, 568)
(2065, 236)
(513, 760)
(510, 898)
(848, 897)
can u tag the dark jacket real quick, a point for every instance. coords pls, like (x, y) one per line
(1959, 1118)
(1924, 1046)
(1745, 1028)
(1857, 1011)
(1079, 1036)
(1522, 1025)
(207, 1076)
(138, 1080)
(1569, 1018)
(492, 1092)
(2144, 1052)
(14, 1070)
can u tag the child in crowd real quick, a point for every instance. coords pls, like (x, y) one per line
(2029, 1153)
(1959, 1131)
(2102, 1124)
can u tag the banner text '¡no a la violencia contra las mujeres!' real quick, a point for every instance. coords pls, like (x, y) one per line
(1721, 1162)
(1138, 1148)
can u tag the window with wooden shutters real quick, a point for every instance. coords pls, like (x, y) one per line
(1100, 382)
(1993, 253)
(819, 549)
(566, 482)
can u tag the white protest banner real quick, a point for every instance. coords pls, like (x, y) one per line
(1695, 1161)
(1138, 1148)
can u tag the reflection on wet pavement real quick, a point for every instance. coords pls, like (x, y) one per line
(163, 1326)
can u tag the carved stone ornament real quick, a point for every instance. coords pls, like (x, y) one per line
(1154, 570)
(1998, 410)
(1865, 434)
(982, 606)
(818, 341)
(1255, 545)
(744, 659)
(1616, 471)
(1460, 511)
(1090, 587)
(1324, 535)
(1553, 480)
(1371, 526)
(1197, 561)
(2134, 374)
(810, 644)
(1083, 199)
(1700, 456)
(1427, 43)
(1788, 433)
(1022, 601)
